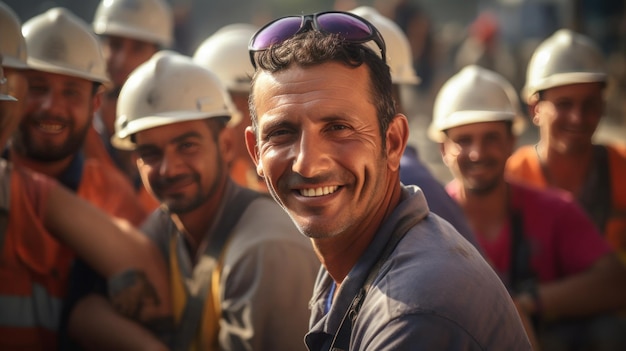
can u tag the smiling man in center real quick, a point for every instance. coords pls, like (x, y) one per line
(326, 137)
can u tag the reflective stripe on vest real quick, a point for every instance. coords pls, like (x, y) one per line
(39, 310)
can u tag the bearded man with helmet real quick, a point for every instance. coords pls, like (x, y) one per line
(43, 225)
(230, 250)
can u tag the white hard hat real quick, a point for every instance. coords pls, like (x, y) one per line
(564, 58)
(147, 20)
(12, 44)
(399, 55)
(168, 88)
(226, 53)
(60, 42)
(474, 95)
(4, 96)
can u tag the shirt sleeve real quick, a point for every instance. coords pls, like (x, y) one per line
(265, 301)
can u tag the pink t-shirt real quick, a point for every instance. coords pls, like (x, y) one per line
(563, 240)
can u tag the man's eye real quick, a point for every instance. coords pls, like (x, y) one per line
(35, 89)
(338, 127)
(277, 133)
(71, 93)
(187, 146)
(562, 105)
(463, 141)
(148, 156)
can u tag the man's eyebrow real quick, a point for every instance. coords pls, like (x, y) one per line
(177, 139)
(273, 123)
(71, 84)
(182, 137)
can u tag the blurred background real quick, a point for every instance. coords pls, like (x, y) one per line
(445, 35)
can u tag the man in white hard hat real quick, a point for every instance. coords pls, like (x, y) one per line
(226, 53)
(544, 247)
(67, 71)
(565, 85)
(13, 49)
(412, 169)
(131, 31)
(42, 225)
(5, 96)
(241, 273)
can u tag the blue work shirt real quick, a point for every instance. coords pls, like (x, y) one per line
(434, 292)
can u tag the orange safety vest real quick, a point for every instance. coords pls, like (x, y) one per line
(524, 166)
(94, 148)
(104, 186)
(34, 266)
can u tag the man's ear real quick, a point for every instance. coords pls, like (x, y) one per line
(253, 150)
(226, 141)
(397, 136)
(96, 99)
(442, 151)
(533, 108)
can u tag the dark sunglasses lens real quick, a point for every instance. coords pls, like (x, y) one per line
(349, 27)
(276, 32)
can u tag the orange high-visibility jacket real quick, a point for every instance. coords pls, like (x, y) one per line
(105, 186)
(94, 148)
(34, 266)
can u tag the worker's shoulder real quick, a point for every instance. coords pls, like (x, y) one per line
(105, 176)
(265, 222)
(266, 218)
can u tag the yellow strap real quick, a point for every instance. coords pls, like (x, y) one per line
(207, 337)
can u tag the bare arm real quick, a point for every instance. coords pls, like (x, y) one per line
(597, 290)
(528, 327)
(112, 248)
(95, 325)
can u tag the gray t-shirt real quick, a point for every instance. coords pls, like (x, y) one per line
(268, 273)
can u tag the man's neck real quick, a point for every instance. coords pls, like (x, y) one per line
(340, 253)
(196, 224)
(486, 212)
(566, 171)
(52, 169)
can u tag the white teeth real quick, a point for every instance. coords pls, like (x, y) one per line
(50, 127)
(318, 191)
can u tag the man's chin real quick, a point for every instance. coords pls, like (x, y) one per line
(481, 189)
(180, 208)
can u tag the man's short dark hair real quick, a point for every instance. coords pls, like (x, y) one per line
(313, 48)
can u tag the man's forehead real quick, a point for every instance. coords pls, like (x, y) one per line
(173, 132)
(478, 128)
(117, 39)
(36, 76)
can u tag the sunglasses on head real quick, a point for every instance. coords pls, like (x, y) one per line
(348, 26)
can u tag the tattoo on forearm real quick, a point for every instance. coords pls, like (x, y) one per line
(131, 294)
